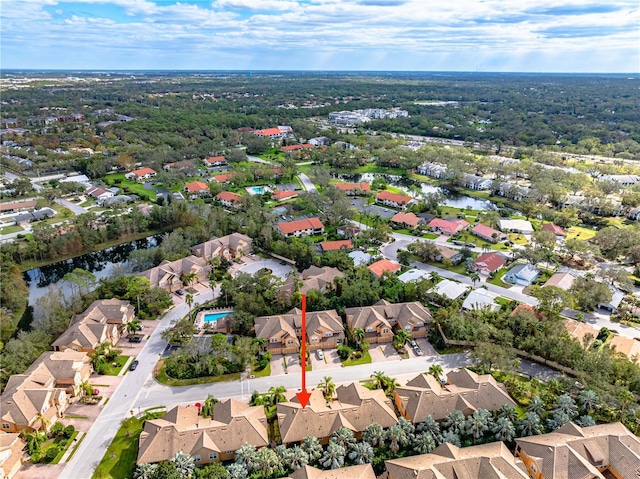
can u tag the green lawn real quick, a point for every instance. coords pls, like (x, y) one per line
(119, 461)
(11, 229)
(263, 372)
(365, 359)
(497, 280)
(137, 189)
(458, 268)
(518, 238)
(119, 363)
(580, 233)
(161, 377)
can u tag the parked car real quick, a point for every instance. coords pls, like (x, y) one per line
(135, 339)
(180, 292)
(319, 354)
(134, 365)
(470, 245)
(416, 348)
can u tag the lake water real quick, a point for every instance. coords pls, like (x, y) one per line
(101, 263)
(452, 199)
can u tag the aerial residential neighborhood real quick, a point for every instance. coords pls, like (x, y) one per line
(453, 307)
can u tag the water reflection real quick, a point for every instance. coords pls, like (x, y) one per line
(101, 263)
(453, 199)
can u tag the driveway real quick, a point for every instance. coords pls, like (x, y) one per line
(330, 361)
(383, 352)
(307, 184)
(277, 269)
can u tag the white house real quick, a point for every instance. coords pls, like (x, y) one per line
(515, 226)
(481, 299)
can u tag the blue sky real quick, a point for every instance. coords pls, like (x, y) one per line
(429, 35)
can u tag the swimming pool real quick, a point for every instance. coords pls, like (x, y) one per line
(258, 190)
(214, 317)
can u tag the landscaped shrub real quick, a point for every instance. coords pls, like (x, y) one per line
(57, 429)
(51, 454)
(68, 431)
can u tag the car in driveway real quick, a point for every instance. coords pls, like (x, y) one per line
(135, 339)
(180, 292)
(319, 354)
(134, 365)
(416, 348)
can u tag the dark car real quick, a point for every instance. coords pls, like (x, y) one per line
(135, 339)
(134, 365)
(470, 245)
(180, 292)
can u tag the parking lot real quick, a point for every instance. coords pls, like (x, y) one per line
(362, 206)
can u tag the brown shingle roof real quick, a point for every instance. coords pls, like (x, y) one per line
(364, 471)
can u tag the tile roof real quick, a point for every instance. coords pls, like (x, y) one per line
(379, 268)
(268, 132)
(486, 231)
(304, 146)
(289, 227)
(561, 280)
(181, 429)
(555, 229)
(353, 186)
(336, 245)
(18, 205)
(283, 195)
(196, 186)
(394, 197)
(228, 196)
(224, 177)
(490, 261)
(216, 159)
(144, 171)
(407, 219)
(447, 252)
(364, 471)
(447, 225)
(353, 406)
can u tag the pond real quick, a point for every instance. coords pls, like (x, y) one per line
(101, 263)
(453, 199)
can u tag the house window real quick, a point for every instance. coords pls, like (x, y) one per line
(5, 425)
(45, 408)
(369, 330)
(385, 331)
(213, 455)
(419, 323)
(229, 452)
(75, 348)
(328, 334)
(274, 340)
(196, 458)
(289, 341)
(408, 328)
(314, 339)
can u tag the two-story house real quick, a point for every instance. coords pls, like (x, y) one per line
(380, 320)
(141, 174)
(304, 227)
(394, 200)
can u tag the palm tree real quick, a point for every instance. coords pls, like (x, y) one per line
(359, 335)
(397, 437)
(406, 426)
(477, 424)
(312, 447)
(333, 457)
(508, 411)
(134, 326)
(536, 406)
(530, 425)
(626, 397)
(585, 421)
(452, 438)
(436, 371)
(401, 338)
(380, 379)
(475, 277)
(454, 422)
(435, 277)
(423, 443)
(588, 400)
(246, 456)
(504, 429)
(145, 471)
(361, 453)
(189, 300)
(328, 387)
(560, 418)
(237, 471)
(33, 440)
(344, 437)
(44, 421)
(260, 342)
(429, 425)
(266, 461)
(188, 278)
(565, 404)
(374, 434)
(299, 458)
(184, 464)
(276, 394)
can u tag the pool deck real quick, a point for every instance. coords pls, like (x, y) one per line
(200, 323)
(264, 189)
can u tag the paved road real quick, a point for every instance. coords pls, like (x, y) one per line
(78, 210)
(255, 159)
(307, 183)
(127, 395)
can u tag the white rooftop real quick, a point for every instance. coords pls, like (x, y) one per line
(360, 258)
(413, 275)
(450, 289)
(480, 299)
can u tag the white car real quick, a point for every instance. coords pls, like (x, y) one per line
(320, 354)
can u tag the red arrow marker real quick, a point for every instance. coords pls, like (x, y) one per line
(304, 396)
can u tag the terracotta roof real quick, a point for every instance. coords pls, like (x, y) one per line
(196, 186)
(228, 196)
(486, 231)
(216, 159)
(630, 347)
(396, 198)
(305, 146)
(580, 330)
(268, 132)
(353, 186)
(224, 177)
(555, 229)
(289, 227)
(144, 171)
(448, 226)
(383, 266)
(490, 261)
(336, 245)
(407, 219)
(283, 195)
